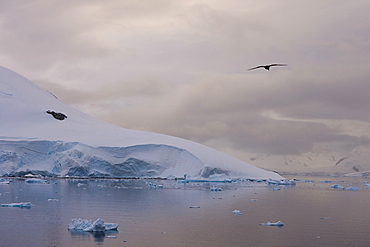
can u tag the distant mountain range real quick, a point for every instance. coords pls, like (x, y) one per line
(322, 160)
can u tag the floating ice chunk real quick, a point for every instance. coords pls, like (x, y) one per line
(325, 218)
(281, 182)
(111, 236)
(155, 186)
(19, 205)
(367, 185)
(309, 181)
(3, 181)
(36, 181)
(279, 223)
(352, 188)
(253, 200)
(87, 226)
(276, 189)
(237, 212)
(214, 188)
(194, 206)
(53, 200)
(337, 186)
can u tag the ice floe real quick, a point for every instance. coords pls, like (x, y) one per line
(4, 181)
(53, 200)
(155, 186)
(214, 188)
(279, 223)
(354, 188)
(19, 205)
(237, 212)
(281, 182)
(86, 225)
(337, 186)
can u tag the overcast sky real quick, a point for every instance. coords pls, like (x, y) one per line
(180, 67)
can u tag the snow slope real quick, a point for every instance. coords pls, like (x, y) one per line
(33, 140)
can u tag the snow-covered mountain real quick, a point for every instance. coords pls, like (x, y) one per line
(322, 160)
(41, 135)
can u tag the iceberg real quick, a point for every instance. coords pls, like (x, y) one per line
(86, 225)
(73, 144)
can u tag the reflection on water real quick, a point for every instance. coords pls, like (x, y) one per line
(97, 236)
(191, 214)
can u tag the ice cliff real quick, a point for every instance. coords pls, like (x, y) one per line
(41, 135)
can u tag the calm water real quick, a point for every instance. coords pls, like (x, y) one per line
(314, 214)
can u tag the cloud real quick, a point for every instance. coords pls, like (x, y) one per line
(179, 68)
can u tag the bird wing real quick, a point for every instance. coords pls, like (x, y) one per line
(261, 66)
(276, 64)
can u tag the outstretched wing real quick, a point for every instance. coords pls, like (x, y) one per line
(277, 64)
(261, 66)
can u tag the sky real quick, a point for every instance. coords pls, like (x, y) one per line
(181, 67)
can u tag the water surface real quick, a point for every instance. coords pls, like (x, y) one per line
(313, 213)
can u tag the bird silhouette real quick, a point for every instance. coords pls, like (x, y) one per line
(267, 67)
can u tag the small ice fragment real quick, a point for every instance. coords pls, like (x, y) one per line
(216, 188)
(111, 236)
(279, 223)
(276, 189)
(337, 186)
(155, 186)
(18, 205)
(253, 200)
(194, 206)
(325, 218)
(281, 182)
(80, 184)
(352, 188)
(53, 200)
(237, 212)
(367, 185)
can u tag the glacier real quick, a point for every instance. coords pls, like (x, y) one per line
(42, 136)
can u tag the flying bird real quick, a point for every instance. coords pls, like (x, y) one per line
(267, 67)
